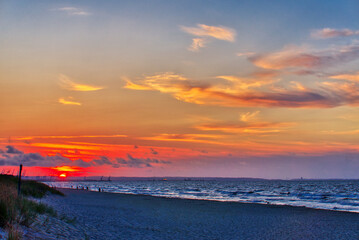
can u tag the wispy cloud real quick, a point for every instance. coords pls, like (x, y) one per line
(68, 102)
(333, 33)
(248, 116)
(193, 138)
(165, 82)
(68, 84)
(349, 132)
(134, 86)
(197, 43)
(346, 93)
(219, 32)
(236, 91)
(205, 32)
(256, 128)
(247, 124)
(69, 137)
(350, 77)
(264, 87)
(298, 86)
(73, 11)
(302, 58)
(289, 57)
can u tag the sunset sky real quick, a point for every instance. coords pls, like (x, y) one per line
(180, 88)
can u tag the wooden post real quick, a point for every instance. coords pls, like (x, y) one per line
(19, 183)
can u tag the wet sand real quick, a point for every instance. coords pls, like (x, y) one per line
(94, 215)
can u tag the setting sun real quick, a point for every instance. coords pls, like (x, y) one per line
(62, 175)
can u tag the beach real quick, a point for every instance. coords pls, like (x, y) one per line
(94, 215)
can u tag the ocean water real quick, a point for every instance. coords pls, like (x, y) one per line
(339, 195)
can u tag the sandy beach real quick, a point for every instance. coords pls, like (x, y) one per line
(94, 215)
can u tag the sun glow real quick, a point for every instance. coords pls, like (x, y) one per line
(67, 169)
(62, 175)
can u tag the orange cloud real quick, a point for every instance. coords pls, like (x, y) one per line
(87, 151)
(299, 86)
(240, 83)
(289, 57)
(237, 91)
(67, 169)
(205, 32)
(66, 146)
(68, 84)
(68, 102)
(248, 116)
(349, 77)
(218, 32)
(196, 138)
(350, 132)
(260, 127)
(346, 93)
(69, 137)
(133, 86)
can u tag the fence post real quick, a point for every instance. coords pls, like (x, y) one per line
(19, 183)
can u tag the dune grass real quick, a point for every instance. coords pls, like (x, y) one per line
(18, 210)
(29, 187)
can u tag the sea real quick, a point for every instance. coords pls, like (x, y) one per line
(338, 195)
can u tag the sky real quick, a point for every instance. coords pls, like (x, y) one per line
(153, 88)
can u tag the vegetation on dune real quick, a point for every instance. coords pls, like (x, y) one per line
(29, 187)
(18, 210)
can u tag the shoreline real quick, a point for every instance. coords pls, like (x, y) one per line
(215, 200)
(103, 215)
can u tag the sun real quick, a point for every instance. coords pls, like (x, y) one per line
(62, 175)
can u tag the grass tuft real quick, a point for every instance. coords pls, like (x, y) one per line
(14, 233)
(15, 210)
(29, 187)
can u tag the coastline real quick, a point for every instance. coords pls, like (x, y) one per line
(216, 200)
(129, 216)
(338, 195)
